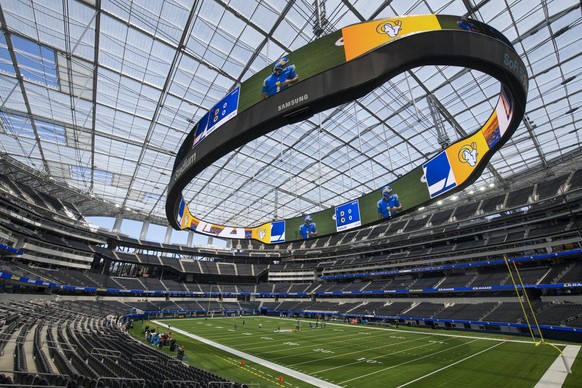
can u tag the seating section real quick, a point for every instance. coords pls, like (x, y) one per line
(458, 280)
(441, 217)
(73, 349)
(415, 224)
(550, 187)
(510, 312)
(561, 314)
(425, 310)
(490, 205)
(573, 274)
(576, 180)
(129, 283)
(437, 236)
(519, 197)
(427, 281)
(393, 309)
(466, 211)
(471, 312)
(490, 278)
(408, 257)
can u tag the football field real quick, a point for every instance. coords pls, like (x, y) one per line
(269, 351)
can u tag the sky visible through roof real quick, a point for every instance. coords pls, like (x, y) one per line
(105, 97)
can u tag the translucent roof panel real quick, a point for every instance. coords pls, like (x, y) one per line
(108, 95)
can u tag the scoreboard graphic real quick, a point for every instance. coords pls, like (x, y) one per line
(347, 216)
(220, 113)
(223, 111)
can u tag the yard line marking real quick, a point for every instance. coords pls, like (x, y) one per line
(359, 351)
(341, 348)
(434, 334)
(345, 339)
(268, 364)
(373, 358)
(402, 363)
(450, 365)
(557, 373)
(276, 344)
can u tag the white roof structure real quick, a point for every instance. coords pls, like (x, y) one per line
(96, 97)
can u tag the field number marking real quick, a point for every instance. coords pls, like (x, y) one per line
(369, 360)
(319, 350)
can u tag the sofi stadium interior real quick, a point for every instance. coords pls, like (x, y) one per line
(96, 98)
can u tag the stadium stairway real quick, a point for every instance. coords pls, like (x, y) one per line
(7, 357)
(29, 348)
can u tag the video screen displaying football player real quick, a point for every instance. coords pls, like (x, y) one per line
(308, 229)
(284, 74)
(389, 204)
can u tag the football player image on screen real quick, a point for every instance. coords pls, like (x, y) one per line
(284, 74)
(389, 204)
(466, 25)
(308, 229)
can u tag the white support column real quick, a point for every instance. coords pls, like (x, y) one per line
(118, 222)
(144, 230)
(190, 238)
(168, 234)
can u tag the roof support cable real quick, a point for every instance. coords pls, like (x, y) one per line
(442, 136)
(388, 148)
(360, 141)
(349, 168)
(412, 97)
(320, 18)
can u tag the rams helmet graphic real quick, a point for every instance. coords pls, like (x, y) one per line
(390, 28)
(468, 154)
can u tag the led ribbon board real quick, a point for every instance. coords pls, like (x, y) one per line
(342, 67)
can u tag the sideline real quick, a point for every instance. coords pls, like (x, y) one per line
(298, 375)
(557, 373)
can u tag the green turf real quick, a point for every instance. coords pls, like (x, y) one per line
(360, 356)
(574, 379)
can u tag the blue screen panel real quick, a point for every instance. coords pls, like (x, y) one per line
(438, 175)
(201, 129)
(347, 216)
(278, 232)
(223, 111)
